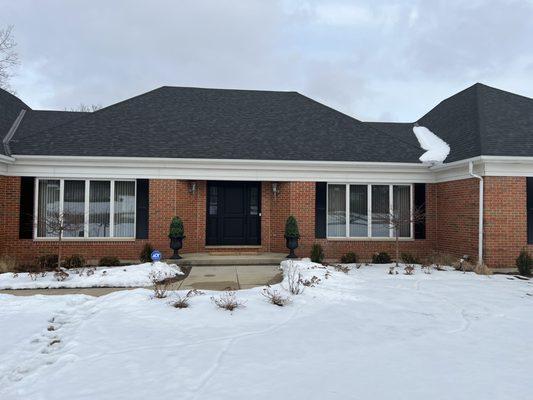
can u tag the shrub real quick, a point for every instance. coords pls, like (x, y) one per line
(276, 297)
(482, 270)
(294, 279)
(408, 258)
(349, 258)
(291, 228)
(146, 253)
(161, 281)
(180, 302)
(74, 261)
(176, 228)
(381, 258)
(47, 262)
(109, 261)
(317, 253)
(524, 263)
(409, 270)
(315, 280)
(438, 258)
(228, 301)
(8, 264)
(61, 275)
(342, 268)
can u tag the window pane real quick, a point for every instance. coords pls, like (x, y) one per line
(358, 210)
(74, 208)
(124, 209)
(402, 208)
(336, 210)
(380, 210)
(213, 200)
(48, 208)
(99, 206)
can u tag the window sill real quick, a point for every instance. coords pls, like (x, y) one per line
(109, 239)
(368, 239)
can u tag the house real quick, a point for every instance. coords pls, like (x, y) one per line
(234, 164)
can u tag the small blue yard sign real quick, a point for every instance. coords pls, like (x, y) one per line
(156, 255)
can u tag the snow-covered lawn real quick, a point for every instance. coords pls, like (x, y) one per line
(361, 335)
(129, 276)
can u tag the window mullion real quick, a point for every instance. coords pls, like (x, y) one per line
(61, 206)
(112, 210)
(86, 205)
(391, 211)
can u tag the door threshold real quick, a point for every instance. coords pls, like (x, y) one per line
(244, 246)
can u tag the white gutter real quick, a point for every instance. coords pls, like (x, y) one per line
(480, 233)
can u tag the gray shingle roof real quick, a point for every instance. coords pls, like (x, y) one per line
(479, 120)
(180, 122)
(10, 107)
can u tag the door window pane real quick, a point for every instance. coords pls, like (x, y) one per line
(213, 200)
(74, 208)
(99, 208)
(358, 211)
(380, 211)
(402, 209)
(48, 208)
(337, 210)
(124, 222)
(254, 201)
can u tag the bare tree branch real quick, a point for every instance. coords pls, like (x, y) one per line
(396, 219)
(85, 108)
(8, 56)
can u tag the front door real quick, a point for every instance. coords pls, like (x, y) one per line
(233, 213)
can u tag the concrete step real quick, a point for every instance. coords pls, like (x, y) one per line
(206, 259)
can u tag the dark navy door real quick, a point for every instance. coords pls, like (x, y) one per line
(233, 213)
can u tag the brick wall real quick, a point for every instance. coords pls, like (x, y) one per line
(505, 220)
(451, 222)
(457, 210)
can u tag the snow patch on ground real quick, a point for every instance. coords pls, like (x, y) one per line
(436, 149)
(364, 334)
(129, 276)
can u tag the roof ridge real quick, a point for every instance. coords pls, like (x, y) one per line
(227, 89)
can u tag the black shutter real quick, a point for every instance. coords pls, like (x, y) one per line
(320, 209)
(27, 193)
(420, 205)
(143, 195)
(529, 201)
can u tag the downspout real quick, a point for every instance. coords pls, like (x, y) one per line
(480, 235)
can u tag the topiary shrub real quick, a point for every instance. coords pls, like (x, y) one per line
(408, 258)
(524, 263)
(146, 253)
(176, 228)
(109, 261)
(291, 228)
(74, 261)
(349, 258)
(381, 258)
(317, 253)
(47, 262)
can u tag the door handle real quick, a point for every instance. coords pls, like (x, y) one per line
(259, 214)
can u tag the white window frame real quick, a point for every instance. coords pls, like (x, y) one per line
(369, 211)
(86, 236)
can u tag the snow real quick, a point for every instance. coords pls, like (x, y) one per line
(129, 276)
(436, 149)
(361, 335)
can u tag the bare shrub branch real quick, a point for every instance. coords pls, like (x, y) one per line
(294, 279)
(228, 301)
(276, 297)
(160, 281)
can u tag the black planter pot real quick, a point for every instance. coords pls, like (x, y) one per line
(176, 243)
(291, 243)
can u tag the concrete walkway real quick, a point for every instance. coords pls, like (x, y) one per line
(206, 278)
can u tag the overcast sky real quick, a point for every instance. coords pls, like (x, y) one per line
(375, 60)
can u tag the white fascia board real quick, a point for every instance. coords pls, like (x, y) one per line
(216, 169)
